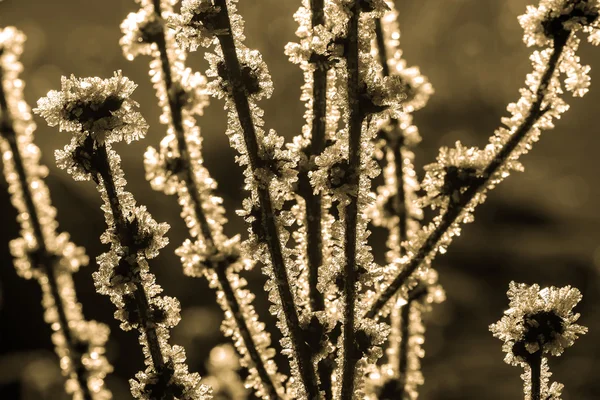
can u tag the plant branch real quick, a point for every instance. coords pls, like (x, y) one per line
(454, 211)
(49, 262)
(351, 353)
(317, 145)
(175, 109)
(300, 348)
(535, 366)
(127, 239)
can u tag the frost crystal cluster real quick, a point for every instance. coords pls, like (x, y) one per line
(350, 328)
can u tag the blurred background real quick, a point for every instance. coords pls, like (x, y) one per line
(539, 226)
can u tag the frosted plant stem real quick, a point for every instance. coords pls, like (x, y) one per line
(48, 261)
(126, 237)
(350, 354)
(455, 210)
(394, 143)
(299, 345)
(245, 332)
(535, 365)
(317, 144)
(175, 109)
(383, 56)
(177, 121)
(404, 346)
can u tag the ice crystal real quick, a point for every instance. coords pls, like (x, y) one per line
(134, 236)
(538, 320)
(41, 253)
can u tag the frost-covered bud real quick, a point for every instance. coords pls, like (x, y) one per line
(94, 106)
(197, 24)
(196, 256)
(455, 170)
(555, 17)
(538, 320)
(416, 87)
(140, 31)
(254, 75)
(192, 91)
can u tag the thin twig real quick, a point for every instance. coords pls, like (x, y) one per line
(45, 259)
(535, 366)
(317, 145)
(175, 109)
(454, 211)
(351, 353)
(300, 347)
(127, 239)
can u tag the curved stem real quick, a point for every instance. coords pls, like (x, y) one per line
(45, 259)
(454, 211)
(300, 348)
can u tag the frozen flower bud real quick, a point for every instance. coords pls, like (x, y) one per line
(553, 17)
(538, 320)
(97, 107)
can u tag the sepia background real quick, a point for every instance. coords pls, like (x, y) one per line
(539, 226)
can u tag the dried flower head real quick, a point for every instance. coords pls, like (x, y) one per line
(538, 320)
(94, 106)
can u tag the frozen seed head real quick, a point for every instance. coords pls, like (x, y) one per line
(95, 107)
(551, 17)
(538, 320)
